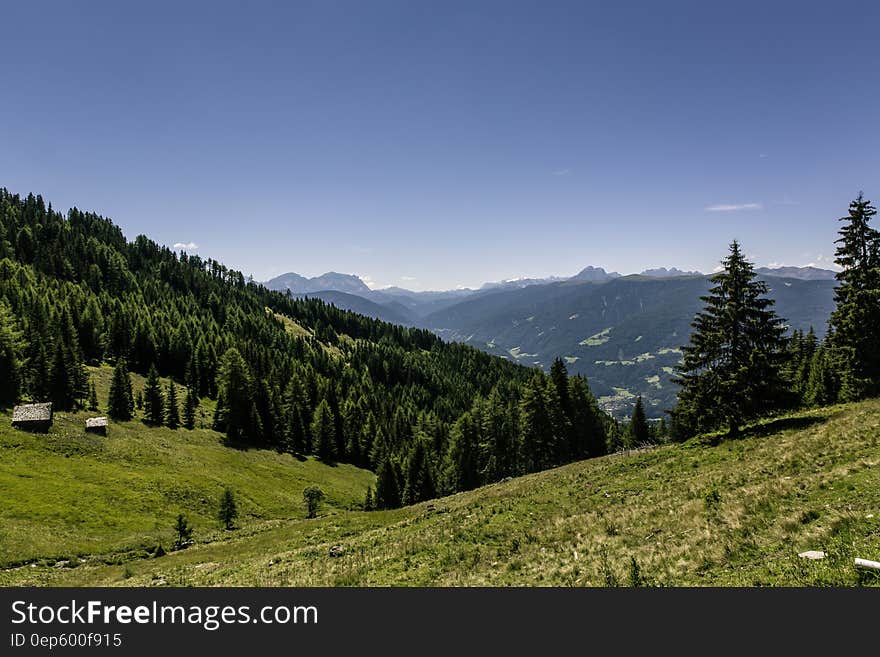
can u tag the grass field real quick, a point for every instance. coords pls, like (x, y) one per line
(69, 494)
(694, 514)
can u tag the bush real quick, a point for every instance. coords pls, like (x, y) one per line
(312, 496)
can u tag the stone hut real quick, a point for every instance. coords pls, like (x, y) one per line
(33, 417)
(97, 425)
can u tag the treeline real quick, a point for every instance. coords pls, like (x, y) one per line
(295, 375)
(740, 364)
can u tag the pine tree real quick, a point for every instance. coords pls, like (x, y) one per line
(184, 532)
(62, 392)
(228, 510)
(461, 466)
(93, 396)
(542, 426)
(190, 406)
(499, 433)
(139, 400)
(369, 503)
(387, 486)
(639, 431)
(821, 388)
(323, 432)
(588, 427)
(154, 401)
(235, 403)
(419, 482)
(120, 405)
(10, 358)
(172, 411)
(731, 371)
(854, 326)
(560, 379)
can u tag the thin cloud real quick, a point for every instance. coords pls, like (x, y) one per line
(407, 278)
(762, 155)
(733, 207)
(824, 264)
(186, 246)
(562, 172)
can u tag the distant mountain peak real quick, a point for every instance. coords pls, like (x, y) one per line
(520, 282)
(672, 272)
(331, 281)
(596, 274)
(808, 273)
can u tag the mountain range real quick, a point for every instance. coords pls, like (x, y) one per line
(623, 333)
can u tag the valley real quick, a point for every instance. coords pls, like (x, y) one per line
(623, 333)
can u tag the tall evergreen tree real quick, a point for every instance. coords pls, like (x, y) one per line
(500, 437)
(190, 406)
(93, 396)
(639, 430)
(821, 388)
(461, 463)
(324, 433)
(172, 410)
(10, 357)
(543, 439)
(235, 403)
(731, 371)
(387, 486)
(588, 427)
(419, 481)
(120, 403)
(855, 322)
(62, 391)
(154, 400)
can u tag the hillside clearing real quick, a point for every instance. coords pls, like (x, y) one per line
(692, 514)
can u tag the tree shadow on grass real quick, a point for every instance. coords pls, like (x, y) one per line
(782, 424)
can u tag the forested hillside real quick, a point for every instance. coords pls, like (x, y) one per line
(296, 375)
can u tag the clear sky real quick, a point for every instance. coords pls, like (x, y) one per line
(442, 144)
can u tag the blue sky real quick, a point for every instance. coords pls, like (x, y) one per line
(443, 144)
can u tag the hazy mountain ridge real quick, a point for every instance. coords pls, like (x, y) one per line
(672, 272)
(801, 273)
(331, 280)
(622, 332)
(624, 335)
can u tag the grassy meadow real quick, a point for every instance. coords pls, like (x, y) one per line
(736, 513)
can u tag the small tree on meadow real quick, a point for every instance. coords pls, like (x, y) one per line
(228, 509)
(184, 531)
(312, 496)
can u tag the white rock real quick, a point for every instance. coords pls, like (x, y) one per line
(812, 554)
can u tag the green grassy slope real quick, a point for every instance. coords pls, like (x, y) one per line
(693, 514)
(69, 493)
